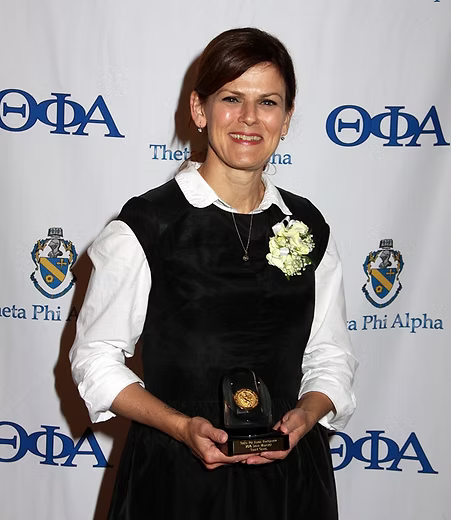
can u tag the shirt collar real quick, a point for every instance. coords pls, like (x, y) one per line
(200, 195)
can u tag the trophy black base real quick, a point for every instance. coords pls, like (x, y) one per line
(243, 444)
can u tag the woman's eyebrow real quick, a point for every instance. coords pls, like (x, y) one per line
(239, 93)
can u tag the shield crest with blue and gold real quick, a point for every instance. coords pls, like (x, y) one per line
(383, 268)
(53, 257)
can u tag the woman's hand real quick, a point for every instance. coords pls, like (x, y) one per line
(202, 437)
(296, 423)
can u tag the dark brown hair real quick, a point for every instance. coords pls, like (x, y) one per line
(233, 52)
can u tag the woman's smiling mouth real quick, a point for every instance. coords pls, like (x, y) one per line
(255, 138)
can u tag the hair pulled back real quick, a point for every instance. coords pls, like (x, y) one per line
(233, 52)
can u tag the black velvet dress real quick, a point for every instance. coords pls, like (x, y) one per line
(209, 311)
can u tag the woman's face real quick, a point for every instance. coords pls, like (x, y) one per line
(245, 118)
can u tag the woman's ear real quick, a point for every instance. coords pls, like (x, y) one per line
(286, 123)
(197, 110)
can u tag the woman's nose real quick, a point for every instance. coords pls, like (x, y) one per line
(249, 114)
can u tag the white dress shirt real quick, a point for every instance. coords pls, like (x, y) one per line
(115, 306)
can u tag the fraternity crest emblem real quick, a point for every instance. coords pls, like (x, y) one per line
(54, 258)
(383, 268)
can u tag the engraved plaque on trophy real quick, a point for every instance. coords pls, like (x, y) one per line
(248, 416)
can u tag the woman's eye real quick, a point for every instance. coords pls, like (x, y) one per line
(269, 102)
(230, 99)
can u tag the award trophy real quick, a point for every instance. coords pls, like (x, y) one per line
(248, 415)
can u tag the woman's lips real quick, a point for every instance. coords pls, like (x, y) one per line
(246, 138)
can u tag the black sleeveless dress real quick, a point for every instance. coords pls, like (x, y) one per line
(208, 312)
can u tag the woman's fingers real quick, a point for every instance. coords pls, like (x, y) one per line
(293, 420)
(277, 425)
(259, 458)
(202, 439)
(208, 431)
(295, 424)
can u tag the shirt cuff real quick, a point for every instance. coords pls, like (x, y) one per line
(339, 393)
(100, 379)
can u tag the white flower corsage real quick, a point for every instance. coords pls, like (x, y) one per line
(290, 246)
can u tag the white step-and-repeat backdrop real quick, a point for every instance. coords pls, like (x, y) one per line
(93, 110)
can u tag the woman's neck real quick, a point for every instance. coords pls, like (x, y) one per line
(241, 189)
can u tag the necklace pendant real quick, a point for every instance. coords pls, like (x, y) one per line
(245, 248)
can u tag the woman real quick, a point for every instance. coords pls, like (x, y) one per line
(191, 267)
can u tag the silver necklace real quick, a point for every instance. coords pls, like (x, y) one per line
(245, 249)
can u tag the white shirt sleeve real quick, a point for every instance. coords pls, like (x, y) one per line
(329, 363)
(111, 319)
